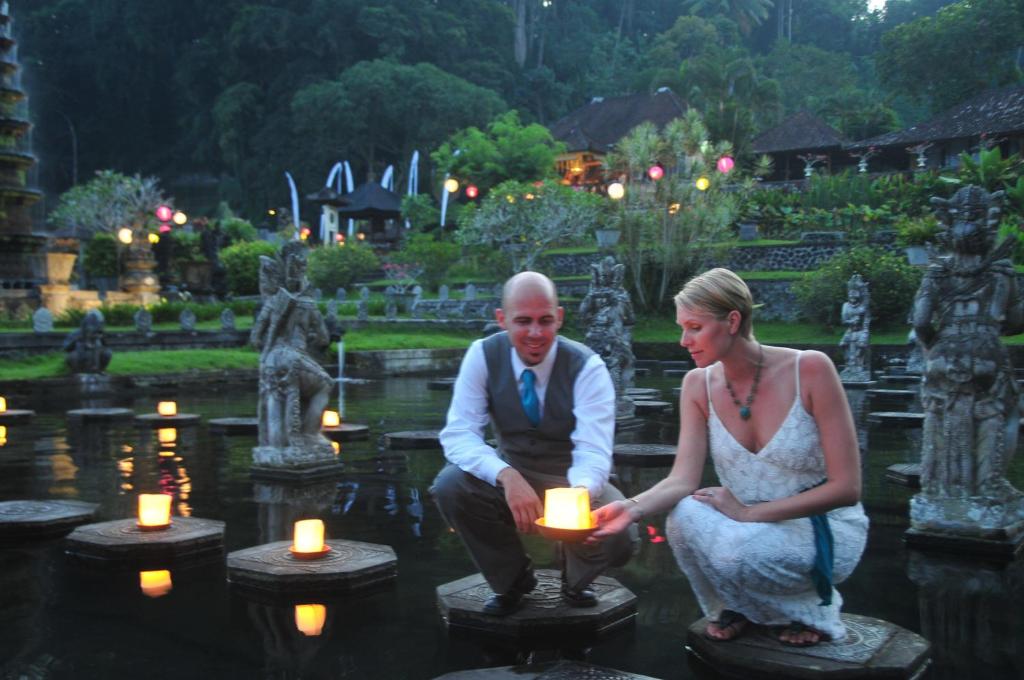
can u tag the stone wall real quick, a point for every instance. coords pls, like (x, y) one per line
(778, 302)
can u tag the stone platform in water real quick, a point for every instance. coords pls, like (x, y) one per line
(643, 393)
(651, 408)
(906, 378)
(543, 613)
(1001, 547)
(859, 384)
(123, 540)
(896, 418)
(86, 414)
(441, 384)
(413, 439)
(27, 520)
(872, 648)
(644, 454)
(904, 474)
(555, 670)
(297, 475)
(157, 420)
(346, 432)
(349, 566)
(892, 395)
(16, 415)
(234, 425)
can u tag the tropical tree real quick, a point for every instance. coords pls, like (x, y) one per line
(746, 13)
(107, 203)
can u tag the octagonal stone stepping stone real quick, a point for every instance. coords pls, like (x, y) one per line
(42, 519)
(896, 418)
(349, 566)
(904, 474)
(892, 395)
(651, 407)
(122, 539)
(543, 612)
(441, 384)
(232, 426)
(89, 414)
(643, 393)
(900, 378)
(413, 439)
(644, 454)
(346, 432)
(16, 415)
(872, 648)
(553, 670)
(157, 420)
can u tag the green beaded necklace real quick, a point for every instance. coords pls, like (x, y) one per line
(745, 408)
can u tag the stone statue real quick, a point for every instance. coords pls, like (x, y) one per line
(390, 303)
(227, 319)
(856, 316)
(143, 321)
(363, 305)
(187, 320)
(967, 299)
(915, 360)
(294, 388)
(42, 321)
(86, 351)
(607, 314)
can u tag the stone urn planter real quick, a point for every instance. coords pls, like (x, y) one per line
(59, 267)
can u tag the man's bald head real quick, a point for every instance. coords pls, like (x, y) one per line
(528, 283)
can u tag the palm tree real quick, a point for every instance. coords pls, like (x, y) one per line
(746, 13)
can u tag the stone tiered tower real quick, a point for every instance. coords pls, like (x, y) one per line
(21, 260)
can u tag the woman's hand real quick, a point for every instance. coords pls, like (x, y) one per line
(721, 499)
(611, 519)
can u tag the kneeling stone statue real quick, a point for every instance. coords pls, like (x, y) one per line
(294, 387)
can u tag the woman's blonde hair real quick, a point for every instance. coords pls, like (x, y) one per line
(718, 292)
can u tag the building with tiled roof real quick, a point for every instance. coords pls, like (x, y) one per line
(798, 140)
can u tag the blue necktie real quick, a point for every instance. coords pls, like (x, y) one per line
(530, 402)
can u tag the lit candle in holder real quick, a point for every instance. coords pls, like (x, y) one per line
(567, 509)
(155, 583)
(3, 404)
(167, 408)
(167, 435)
(330, 419)
(154, 511)
(309, 539)
(3, 435)
(310, 618)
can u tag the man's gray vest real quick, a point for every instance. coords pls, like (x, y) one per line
(547, 448)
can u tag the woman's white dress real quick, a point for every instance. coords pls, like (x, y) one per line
(762, 569)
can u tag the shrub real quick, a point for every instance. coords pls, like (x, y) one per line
(916, 231)
(892, 284)
(434, 257)
(333, 267)
(236, 230)
(100, 257)
(242, 265)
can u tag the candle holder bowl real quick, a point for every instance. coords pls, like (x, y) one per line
(152, 527)
(308, 555)
(560, 534)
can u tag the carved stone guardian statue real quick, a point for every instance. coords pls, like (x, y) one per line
(294, 388)
(966, 301)
(856, 316)
(607, 314)
(86, 351)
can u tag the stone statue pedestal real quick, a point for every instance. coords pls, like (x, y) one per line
(312, 458)
(974, 526)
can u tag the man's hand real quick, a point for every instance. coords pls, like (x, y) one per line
(521, 498)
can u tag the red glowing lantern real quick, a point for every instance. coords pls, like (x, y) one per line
(472, 191)
(164, 213)
(725, 164)
(655, 172)
(164, 228)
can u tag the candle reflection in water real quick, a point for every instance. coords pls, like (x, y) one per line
(310, 618)
(3, 435)
(167, 436)
(156, 583)
(567, 508)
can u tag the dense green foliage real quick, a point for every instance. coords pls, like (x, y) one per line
(333, 267)
(892, 284)
(432, 256)
(242, 265)
(100, 258)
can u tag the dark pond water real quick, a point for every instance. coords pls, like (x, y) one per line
(61, 619)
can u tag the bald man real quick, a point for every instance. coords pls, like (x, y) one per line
(560, 435)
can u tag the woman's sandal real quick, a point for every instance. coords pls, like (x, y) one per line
(796, 628)
(727, 621)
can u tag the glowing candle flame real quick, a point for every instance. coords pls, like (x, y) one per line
(3, 404)
(309, 536)
(567, 508)
(167, 408)
(330, 419)
(154, 510)
(155, 583)
(310, 618)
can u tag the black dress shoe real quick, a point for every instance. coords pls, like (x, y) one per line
(504, 604)
(579, 597)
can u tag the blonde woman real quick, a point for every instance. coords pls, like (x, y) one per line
(786, 524)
